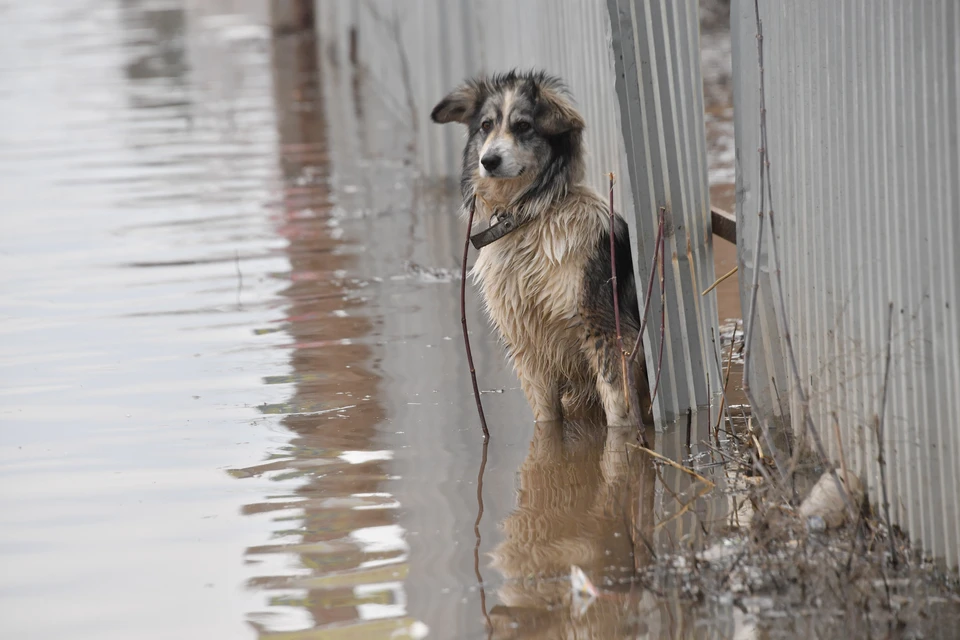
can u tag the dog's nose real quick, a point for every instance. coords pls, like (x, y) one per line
(490, 161)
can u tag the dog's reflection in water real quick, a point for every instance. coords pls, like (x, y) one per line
(585, 498)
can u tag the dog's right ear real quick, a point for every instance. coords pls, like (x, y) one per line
(556, 114)
(460, 106)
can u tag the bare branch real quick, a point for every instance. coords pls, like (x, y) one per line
(881, 460)
(463, 319)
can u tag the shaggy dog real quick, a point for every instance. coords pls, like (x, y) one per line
(544, 263)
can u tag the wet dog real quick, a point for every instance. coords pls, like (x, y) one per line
(544, 262)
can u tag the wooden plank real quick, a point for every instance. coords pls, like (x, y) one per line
(724, 224)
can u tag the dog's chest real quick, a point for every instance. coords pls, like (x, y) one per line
(532, 287)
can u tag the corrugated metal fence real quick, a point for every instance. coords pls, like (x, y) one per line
(863, 116)
(657, 53)
(419, 50)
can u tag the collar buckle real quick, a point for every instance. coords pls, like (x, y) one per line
(505, 223)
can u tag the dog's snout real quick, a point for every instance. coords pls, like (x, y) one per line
(491, 161)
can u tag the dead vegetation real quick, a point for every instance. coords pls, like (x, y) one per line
(784, 558)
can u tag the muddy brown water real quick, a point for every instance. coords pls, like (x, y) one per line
(234, 397)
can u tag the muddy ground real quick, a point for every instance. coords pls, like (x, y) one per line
(235, 402)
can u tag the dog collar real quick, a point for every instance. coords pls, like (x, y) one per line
(505, 223)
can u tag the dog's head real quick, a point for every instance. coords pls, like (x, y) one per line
(524, 135)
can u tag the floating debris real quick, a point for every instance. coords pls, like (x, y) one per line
(431, 274)
(584, 592)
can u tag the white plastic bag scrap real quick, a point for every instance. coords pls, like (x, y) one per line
(584, 593)
(825, 501)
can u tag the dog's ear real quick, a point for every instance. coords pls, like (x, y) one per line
(460, 106)
(555, 114)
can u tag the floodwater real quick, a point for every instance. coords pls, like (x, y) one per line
(233, 396)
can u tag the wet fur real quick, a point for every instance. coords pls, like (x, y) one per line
(547, 285)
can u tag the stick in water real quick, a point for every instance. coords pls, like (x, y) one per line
(463, 319)
(616, 300)
(646, 298)
(663, 308)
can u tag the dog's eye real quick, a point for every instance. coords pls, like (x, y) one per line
(486, 125)
(521, 127)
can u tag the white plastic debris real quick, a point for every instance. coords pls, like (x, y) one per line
(816, 524)
(826, 502)
(720, 551)
(584, 593)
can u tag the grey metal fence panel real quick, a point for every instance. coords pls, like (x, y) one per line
(418, 50)
(863, 116)
(657, 51)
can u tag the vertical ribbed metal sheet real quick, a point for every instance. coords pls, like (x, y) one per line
(863, 116)
(418, 50)
(657, 53)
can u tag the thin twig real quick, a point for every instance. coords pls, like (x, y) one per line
(646, 299)
(758, 465)
(709, 399)
(750, 320)
(616, 299)
(723, 390)
(686, 507)
(632, 528)
(670, 462)
(791, 355)
(836, 433)
(718, 281)
(726, 378)
(463, 320)
(663, 308)
(798, 381)
(881, 459)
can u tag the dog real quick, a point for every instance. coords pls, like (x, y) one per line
(544, 262)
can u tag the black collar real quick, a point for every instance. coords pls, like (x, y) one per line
(505, 222)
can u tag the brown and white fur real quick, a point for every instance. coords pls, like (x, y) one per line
(547, 285)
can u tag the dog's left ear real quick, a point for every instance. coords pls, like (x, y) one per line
(460, 106)
(555, 114)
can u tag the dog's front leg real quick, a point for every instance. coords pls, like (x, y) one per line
(543, 394)
(615, 404)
